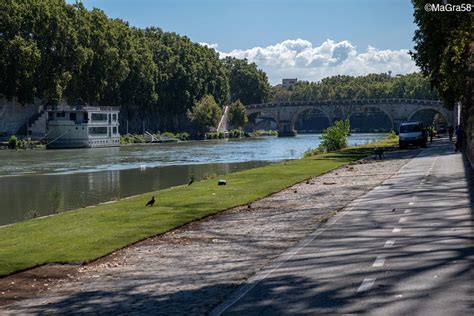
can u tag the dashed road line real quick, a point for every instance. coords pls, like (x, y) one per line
(379, 261)
(366, 285)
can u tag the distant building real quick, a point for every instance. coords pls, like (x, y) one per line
(288, 82)
(79, 127)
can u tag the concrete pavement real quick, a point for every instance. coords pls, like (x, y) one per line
(405, 248)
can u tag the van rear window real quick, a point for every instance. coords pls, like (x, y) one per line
(410, 128)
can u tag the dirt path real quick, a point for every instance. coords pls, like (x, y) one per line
(192, 269)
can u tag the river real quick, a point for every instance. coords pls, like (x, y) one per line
(40, 182)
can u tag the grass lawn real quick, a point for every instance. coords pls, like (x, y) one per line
(89, 233)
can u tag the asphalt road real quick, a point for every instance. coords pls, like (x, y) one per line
(405, 248)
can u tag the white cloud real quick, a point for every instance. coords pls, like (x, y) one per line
(213, 46)
(299, 58)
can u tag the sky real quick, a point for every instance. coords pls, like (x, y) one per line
(304, 39)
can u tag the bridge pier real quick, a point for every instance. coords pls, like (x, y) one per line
(286, 129)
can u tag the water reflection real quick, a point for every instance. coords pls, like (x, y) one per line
(22, 197)
(29, 179)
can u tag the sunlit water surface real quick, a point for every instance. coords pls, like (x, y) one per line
(83, 177)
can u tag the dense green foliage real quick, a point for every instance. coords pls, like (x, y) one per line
(247, 83)
(205, 114)
(13, 142)
(372, 86)
(442, 48)
(335, 137)
(260, 132)
(236, 133)
(237, 117)
(108, 227)
(53, 50)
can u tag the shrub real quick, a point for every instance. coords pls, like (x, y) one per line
(236, 133)
(138, 139)
(183, 136)
(335, 137)
(125, 139)
(261, 132)
(392, 135)
(314, 152)
(13, 142)
(169, 135)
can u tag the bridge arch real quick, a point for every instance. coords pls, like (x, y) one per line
(360, 110)
(302, 111)
(254, 113)
(443, 112)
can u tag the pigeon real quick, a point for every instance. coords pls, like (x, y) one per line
(151, 202)
(191, 180)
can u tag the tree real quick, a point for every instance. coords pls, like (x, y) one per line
(237, 116)
(247, 83)
(205, 114)
(442, 48)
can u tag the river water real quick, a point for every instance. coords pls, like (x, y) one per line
(39, 182)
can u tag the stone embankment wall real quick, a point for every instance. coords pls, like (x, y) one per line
(468, 107)
(14, 115)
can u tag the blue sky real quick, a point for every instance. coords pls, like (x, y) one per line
(236, 27)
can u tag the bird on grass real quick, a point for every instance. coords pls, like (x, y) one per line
(151, 202)
(191, 180)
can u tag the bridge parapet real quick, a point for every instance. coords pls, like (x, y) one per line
(345, 102)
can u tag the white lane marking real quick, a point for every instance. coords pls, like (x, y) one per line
(407, 211)
(282, 259)
(366, 285)
(402, 220)
(396, 230)
(389, 243)
(411, 203)
(379, 261)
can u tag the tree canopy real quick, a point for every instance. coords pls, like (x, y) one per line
(372, 86)
(205, 114)
(50, 49)
(247, 83)
(237, 116)
(442, 47)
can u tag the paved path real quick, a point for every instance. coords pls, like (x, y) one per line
(406, 248)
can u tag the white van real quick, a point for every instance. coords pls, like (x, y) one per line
(412, 133)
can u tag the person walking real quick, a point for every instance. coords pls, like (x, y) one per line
(451, 133)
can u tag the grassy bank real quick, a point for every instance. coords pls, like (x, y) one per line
(86, 234)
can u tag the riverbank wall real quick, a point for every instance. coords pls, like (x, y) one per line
(14, 116)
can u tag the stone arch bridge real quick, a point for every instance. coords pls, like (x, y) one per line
(285, 114)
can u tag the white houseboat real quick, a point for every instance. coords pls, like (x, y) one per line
(82, 127)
